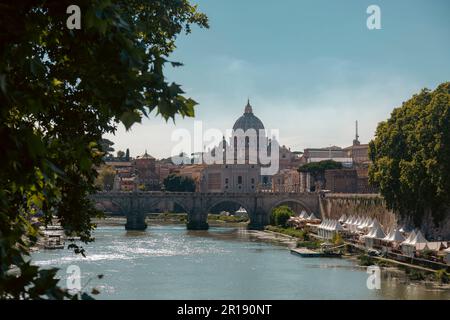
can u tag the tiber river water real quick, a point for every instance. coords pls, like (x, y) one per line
(170, 262)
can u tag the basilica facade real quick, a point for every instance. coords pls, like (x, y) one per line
(240, 168)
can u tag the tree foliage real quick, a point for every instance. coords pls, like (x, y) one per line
(106, 146)
(281, 214)
(411, 155)
(105, 178)
(120, 154)
(318, 168)
(176, 183)
(60, 91)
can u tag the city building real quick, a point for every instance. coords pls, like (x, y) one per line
(341, 180)
(193, 171)
(125, 183)
(352, 178)
(286, 180)
(123, 169)
(146, 173)
(289, 159)
(145, 169)
(358, 152)
(243, 172)
(330, 153)
(230, 178)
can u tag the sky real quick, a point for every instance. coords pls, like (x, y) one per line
(309, 67)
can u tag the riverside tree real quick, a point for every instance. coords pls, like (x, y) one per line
(280, 215)
(317, 169)
(60, 91)
(411, 156)
(178, 183)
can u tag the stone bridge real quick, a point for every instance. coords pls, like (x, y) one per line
(136, 205)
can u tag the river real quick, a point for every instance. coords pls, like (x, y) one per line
(170, 262)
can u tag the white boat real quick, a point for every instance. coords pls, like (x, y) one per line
(53, 237)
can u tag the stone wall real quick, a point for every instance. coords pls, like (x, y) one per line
(333, 206)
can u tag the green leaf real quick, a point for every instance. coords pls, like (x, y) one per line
(129, 118)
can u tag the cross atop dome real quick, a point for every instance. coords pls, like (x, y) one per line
(248, 107)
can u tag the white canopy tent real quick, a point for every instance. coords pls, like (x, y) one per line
(393, 239)
(415, 242)
(303, 215)
(312, 217)
(329, 228)
(376, 233)
(396, 236)
(352, 224)
(436, 246)
(349, 220)
(419, 238)
(389, 235)
(364, 223)
(410, 237)
(374, 224)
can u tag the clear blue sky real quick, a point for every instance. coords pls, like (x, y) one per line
(310, 67)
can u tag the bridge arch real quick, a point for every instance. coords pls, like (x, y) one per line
(110, 206)
(302, 204)
(225, 200)
(164, 205)
(186, 208)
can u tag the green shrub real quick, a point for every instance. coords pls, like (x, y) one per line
(416, 275)
(337, 239)
(281, 215)
(225, 218)
(442, 276)
(382, 263)
(365, 260)
(309, 244)
(427, 254)
(301, 234)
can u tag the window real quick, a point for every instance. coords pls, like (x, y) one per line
(253, 180)
(214, 181)
(239, 179)
(226, 180)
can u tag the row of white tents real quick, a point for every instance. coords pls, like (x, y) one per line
(371, 232)
(417, 242)
(359, 224)
(328, 228)
(414, 242)
(304, 216)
